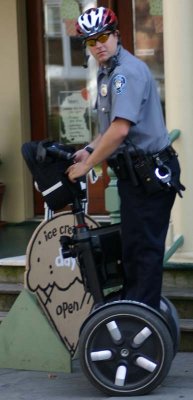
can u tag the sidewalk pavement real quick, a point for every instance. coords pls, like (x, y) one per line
(33, 385)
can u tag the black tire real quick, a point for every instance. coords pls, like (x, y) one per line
(171, 316)
(115, 359)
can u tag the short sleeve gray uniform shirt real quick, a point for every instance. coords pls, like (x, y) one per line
(126, 89)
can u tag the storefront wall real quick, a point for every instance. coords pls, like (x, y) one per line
(14, 111)
(178, 56)
(15, 117)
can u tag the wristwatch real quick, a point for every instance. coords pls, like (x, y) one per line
(89, 149)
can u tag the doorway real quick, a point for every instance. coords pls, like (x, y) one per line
(56, 73)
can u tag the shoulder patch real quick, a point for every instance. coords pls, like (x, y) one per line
(119, 82)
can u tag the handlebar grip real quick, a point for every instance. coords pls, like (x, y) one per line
(59, 153)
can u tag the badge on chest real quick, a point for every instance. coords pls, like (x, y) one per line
(103, 90)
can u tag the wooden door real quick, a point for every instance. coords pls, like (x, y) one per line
(36, 80)
(37, 83)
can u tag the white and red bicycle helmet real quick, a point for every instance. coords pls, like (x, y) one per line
(96, 20)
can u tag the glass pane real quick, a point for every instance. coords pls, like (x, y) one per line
(76, 52)
(68, 108)
(55, 54)
(53, 26)
(148, 34)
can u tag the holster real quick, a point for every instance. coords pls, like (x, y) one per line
(122, 166)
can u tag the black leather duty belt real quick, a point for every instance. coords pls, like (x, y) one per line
(123, 164)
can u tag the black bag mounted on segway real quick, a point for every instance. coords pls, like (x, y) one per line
(47, 161)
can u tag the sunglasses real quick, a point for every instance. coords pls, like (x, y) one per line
(101, 39)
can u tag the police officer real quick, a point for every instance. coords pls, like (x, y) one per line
(135, 142)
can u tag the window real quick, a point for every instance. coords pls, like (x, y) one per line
(148, 38)
(63, 59)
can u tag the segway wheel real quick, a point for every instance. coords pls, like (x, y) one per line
(125, 349)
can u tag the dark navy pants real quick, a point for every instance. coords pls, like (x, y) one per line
(144, 222)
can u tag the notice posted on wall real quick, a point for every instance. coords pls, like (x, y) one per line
(75, 117)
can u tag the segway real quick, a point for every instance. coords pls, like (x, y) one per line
(125, 347)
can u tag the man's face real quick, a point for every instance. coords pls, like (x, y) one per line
(103, 48)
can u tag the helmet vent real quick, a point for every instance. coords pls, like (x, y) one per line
(86, 28)
(97, 23)
(108, 19)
